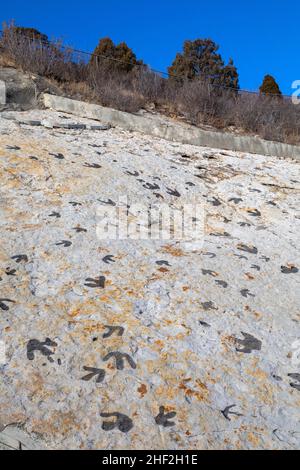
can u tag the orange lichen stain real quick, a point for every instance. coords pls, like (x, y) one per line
(201, 385)
(155, 278)
(179, 336)
(31, 226)
(249, 276)
(130, 292)
(257, 315)
(166, 393)
(87, 307)
(214, 273)
(74, 312)
(201, 395)
(58, 423)
(142, 390)
(93, 328)
(110, 366)
(104, 298)
(227, 342)
(264, 389)
(210, 379)
(257, 373)
(253, 439)
(36, 387)
(169, 408)
(163, 270)
(172, 250)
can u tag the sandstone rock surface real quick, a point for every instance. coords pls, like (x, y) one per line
(134, 344)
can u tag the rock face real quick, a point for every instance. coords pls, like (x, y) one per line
(21, 90)
(138, 344)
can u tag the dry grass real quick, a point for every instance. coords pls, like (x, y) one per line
(196, 101)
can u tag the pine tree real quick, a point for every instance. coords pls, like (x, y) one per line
(19, 33)
(229, 76)
(269, 86)
(200, 58)
(123, 58)
(31, 33)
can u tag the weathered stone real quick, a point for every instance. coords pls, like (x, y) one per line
(31, 122)
(69, 125)
(99, 128)
(20, 89)
(14, 438)
(136, 344)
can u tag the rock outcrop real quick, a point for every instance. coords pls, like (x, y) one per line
(131, 344)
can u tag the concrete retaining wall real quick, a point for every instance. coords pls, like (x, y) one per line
(172, 131)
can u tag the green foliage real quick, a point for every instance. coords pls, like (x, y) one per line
(21, 32)
(229, 76)
(269, 86)
(200, 58)
(31, 33)
(124, 59)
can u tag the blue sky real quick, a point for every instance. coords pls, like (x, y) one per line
(262, 36)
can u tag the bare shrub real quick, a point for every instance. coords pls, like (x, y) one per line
(148, 84)
(115, 90)
(197, 101)
(39, 56)
(201, 103)
(270, 117)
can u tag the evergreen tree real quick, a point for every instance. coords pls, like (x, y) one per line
(31, 33)
(269, 86)
(124, 59)
(229, 76)
(200, 58)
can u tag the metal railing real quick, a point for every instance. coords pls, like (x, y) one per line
(79, 57)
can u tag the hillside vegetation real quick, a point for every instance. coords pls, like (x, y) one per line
(200, 88)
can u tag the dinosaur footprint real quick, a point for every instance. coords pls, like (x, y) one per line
(249, 344)
(19, 258)
(113, 329)
(95, 282)
(297, 378)
(3, 303)
(119, 358)
(123, 422)
(163, 419)
(64, 243)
